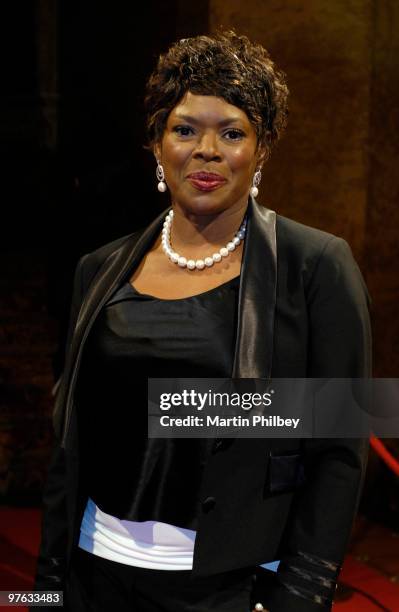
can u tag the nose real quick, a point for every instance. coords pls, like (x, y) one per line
(207, 147)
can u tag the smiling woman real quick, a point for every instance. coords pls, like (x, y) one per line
(209, 154)
(217, 286)
(208, 146)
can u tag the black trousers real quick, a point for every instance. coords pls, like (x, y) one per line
(95, 584)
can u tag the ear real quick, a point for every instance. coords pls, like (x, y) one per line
(157, 151)
(262, 156)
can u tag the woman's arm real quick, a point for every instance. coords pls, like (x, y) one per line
(50, 567)
(323, 509)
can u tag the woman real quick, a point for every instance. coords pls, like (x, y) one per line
(215, 286)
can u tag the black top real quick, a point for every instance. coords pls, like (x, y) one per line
(136, 336)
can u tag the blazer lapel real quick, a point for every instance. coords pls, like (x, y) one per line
(256, 303)
(115, 268)
(257, 295)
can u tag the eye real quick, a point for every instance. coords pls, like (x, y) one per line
(183, 130)
(234, 134)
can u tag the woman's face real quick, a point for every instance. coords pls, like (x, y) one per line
(208, 152)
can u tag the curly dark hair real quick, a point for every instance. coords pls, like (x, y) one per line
(225, 65)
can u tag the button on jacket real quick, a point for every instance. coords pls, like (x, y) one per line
(302, 312)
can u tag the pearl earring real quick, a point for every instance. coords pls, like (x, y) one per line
(255, 182)
(161, 177)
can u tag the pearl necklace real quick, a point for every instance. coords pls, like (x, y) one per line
(198, 264)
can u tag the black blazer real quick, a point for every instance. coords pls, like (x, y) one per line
(303, 312)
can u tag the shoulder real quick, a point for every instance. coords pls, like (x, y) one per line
(104, 251)
(91, 262)
(302, 238)
(321, 259)
(309, 248)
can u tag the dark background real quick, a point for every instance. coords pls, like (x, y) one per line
(75, 174)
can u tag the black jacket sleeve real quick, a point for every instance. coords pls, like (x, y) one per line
(51, 564)
(50, 568)
(323, 509)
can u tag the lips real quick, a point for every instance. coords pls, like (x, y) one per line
(206, 181)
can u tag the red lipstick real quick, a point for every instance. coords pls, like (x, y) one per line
(206, 181)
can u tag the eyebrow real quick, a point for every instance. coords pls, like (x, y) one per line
(196, 121)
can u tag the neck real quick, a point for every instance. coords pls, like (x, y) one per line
(190, 230)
